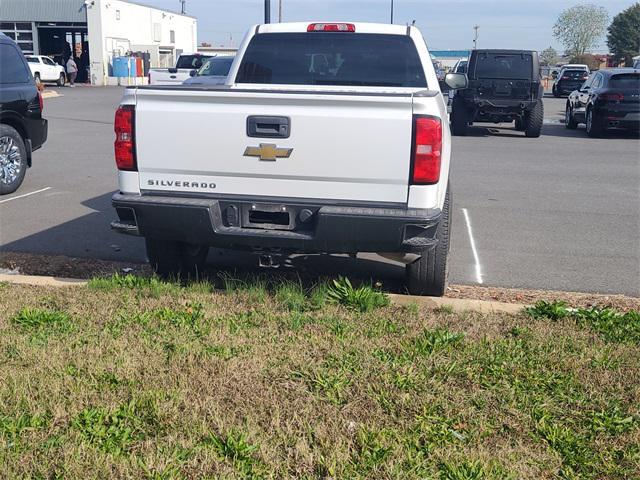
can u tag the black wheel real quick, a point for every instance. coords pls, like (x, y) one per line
(519, 124)
(429, 274)
(36, 77)
(533, 120)
(458, 118)
(176, 260)
(569, 121)
(13, 159)
(61, 80)
(595, 125)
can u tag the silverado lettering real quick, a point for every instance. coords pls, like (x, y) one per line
(178, 183)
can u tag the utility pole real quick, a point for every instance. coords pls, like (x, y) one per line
(475, 38)
(279, 11)
(392, 12)
(184, 8)
(267, 11)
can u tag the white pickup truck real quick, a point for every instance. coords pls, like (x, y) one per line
(327, 138)
(181, 72)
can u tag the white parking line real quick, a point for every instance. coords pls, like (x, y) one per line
(473, 247)
(25, 195)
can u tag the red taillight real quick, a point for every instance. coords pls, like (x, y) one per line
(427, 150)
(331, 27)
(613, 97)
(125, 141)
(41, 102)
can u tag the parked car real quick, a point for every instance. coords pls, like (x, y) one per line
(178, 74)
(460, 66)
(214, 71)
(22, 128)
(45, 70)
(569, 81)
(636, 64)
(503, 86)
(352, 157)
(608, 99)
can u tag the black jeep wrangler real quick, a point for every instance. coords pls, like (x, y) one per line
(503, 86)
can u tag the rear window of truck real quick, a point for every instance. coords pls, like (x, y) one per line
(191, 61)
(499, 65)
(627, 80)
(327, 58)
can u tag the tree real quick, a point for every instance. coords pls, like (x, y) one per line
(549, 56)
(580, 27)
(623, 38)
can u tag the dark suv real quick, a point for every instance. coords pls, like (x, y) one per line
(569, 81)
(22, 128)
(608, 99)
(503, 86)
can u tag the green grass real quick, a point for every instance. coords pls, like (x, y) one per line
(285, 380)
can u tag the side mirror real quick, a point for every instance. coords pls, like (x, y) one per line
(456, 81)
(193, 73)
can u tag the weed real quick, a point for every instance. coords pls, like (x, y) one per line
(296, 320)
(291, 296)
(223, 351)
(12, 427)
(611, 325)
(444, 309)
(38, 318)
(612, 421)
(433, 340)
(330, 383)
(551, 310)
(372, 449)
(115, 431)
(236, 449)
(363, 299)
(465, 470)
(242, 321)
(153, 285)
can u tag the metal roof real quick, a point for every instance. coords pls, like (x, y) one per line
(53, 10)
(42, 11)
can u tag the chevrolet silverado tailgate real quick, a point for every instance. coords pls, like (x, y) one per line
(298, 144)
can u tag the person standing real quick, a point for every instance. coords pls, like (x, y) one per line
(72, 71)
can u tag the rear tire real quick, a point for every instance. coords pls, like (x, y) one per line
(61, 80)
(13, 159)
(429, 275)
(569, 121)
(458, 118)
(595, 125)
(533, 120)
(176, 260)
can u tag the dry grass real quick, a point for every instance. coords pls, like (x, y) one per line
(157, 381)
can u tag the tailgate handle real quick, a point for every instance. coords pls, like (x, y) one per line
(268, 127)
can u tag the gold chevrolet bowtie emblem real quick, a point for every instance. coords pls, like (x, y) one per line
(268, 151)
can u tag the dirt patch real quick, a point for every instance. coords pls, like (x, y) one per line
(573, 299)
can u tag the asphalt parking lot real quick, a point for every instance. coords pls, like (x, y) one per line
(559, 212)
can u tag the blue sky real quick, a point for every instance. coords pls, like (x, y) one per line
(445, 24)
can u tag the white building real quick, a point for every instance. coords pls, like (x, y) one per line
(96, 31)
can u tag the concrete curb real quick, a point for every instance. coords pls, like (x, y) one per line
(457, 304)
(42, 281)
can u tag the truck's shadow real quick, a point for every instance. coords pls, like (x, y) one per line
(555, 130)
(89, 238)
